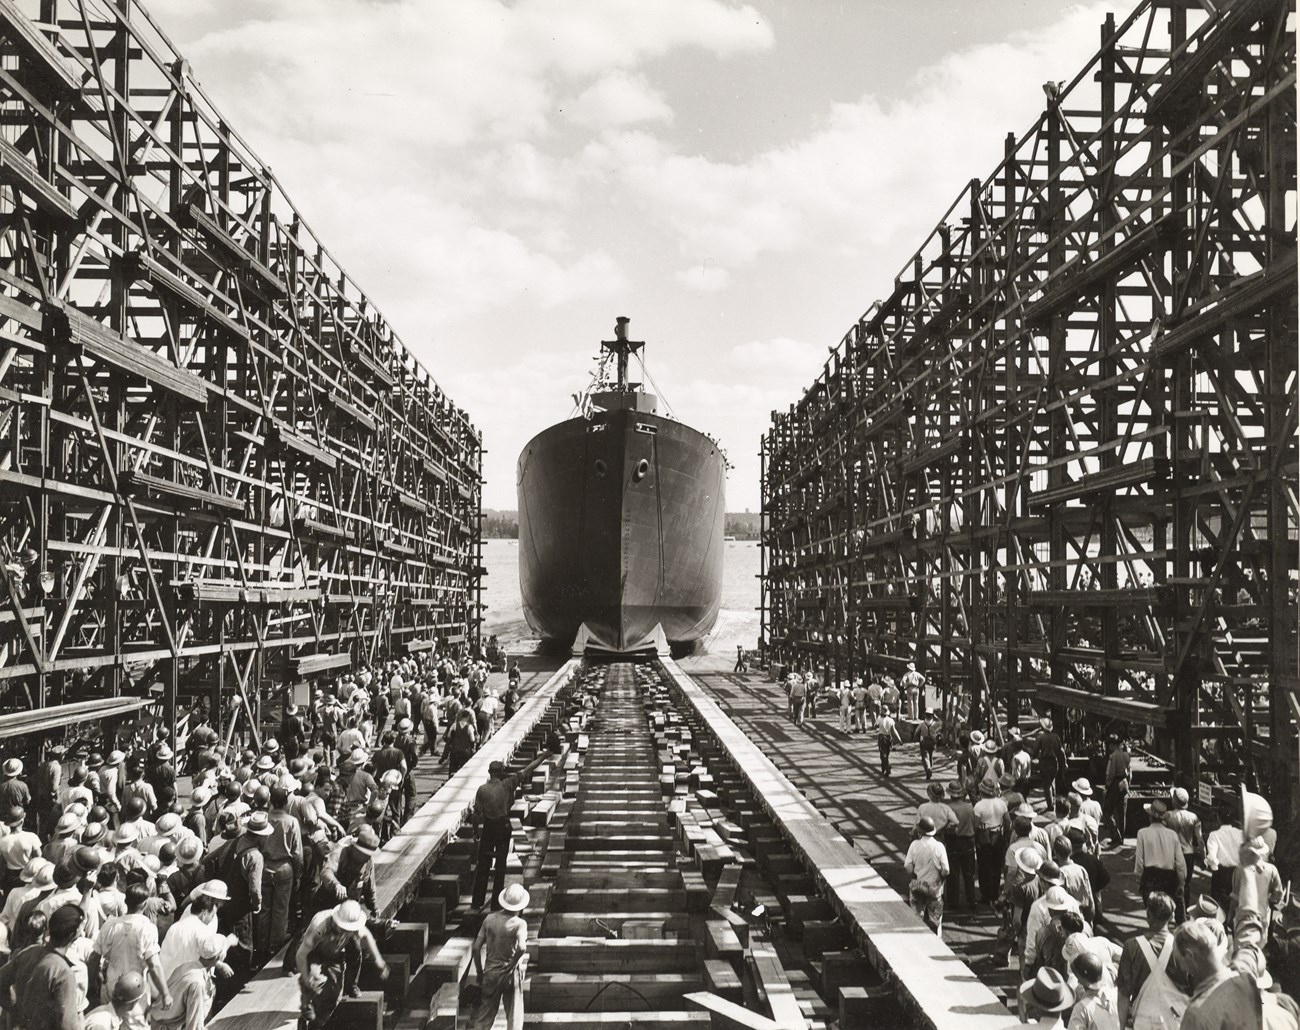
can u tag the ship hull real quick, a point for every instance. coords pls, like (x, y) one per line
(620, 528)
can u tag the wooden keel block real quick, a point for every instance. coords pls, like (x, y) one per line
(409, 939)
(361, 1013)
(429, 912)
(823, 935)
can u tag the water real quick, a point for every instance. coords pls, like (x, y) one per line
(737, 621)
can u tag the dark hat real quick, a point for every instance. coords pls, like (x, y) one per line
(1048, 991)
(1087, 967)
(956, 790)
(128, 989)
(935, 790)
(1157, 808)
(926, 825)
(1050, 872)
(64, 920)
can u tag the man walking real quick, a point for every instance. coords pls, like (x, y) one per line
(1158, 860)
(1114, 812)
(927, 863)
(926, 735)
(886, 737)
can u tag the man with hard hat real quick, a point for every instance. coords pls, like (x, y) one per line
(123, 1009)
(180, 948)
(500, 957)
(927, 864)
(492, 809)
(329, 960)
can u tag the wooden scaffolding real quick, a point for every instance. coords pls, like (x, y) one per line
(1057, 465)
(221, 472)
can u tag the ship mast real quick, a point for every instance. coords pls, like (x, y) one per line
(623, 347)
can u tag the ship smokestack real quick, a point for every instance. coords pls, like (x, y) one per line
(620, 328)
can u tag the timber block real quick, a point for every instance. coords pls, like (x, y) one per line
(409, 939)
(444, 1008)
(360, 1013)
(429, 912)
(823, 935)
(697, 891)
(721, 979)
(442, 885)
(394, 988)
(865, 1008)
(721, 942)
(788, 884)
(642, 930)
(450, 962)
(798, 908)
(542, 812)
(842, 969)
(780, 865)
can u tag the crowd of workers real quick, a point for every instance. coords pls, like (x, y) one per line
(127, 904)
(1224, 954)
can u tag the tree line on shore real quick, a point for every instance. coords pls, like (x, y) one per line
(504, 525)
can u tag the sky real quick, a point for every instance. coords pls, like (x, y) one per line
(506, 177)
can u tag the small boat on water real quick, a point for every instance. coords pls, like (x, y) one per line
(621, 516)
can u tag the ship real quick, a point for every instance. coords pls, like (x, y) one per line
(621, 517)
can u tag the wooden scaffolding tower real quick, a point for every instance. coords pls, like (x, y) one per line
(1057, 465)
(221, 472)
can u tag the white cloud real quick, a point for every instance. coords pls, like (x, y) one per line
(619, 99)
(874, 173)
(705, 278)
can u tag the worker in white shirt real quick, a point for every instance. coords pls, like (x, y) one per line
(927, 864)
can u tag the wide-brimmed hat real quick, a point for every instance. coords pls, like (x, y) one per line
(215, 889)
(1006, 781)
(1206, 908)
(30, 869)
(359, 756)
(272, 746)
(1050, 872)
(1026, 810)
(976, 737)
(258, 824)
(366, 840)
(291, 710)
(514, 898)
(1048, 991)
(164, 753)
(987, 789)
(94, 833)
(1082, 787)
(405, 725)
(1179, 796)
(265, 763)
(200, 796)
(349, 916)
(189, 852)
(1045, 722)
(935, 790)
(391, 778)
(989, 747)
(956, 790)
(67, 825)
(95, 761)
(115, 758)
(12, 767)
(1057, 898)
(44, 878)
(127, 833)
(1029, 860)
(168, 823)
(86, 860)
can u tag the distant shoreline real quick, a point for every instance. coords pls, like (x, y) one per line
(504, 525)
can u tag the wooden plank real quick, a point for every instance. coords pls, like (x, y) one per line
(38, 53)
(733, 1015)
(68, 327)
(177, 495)
(19, 172)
